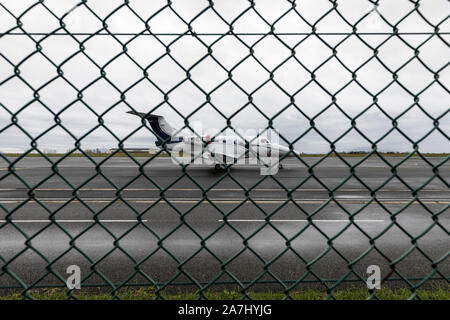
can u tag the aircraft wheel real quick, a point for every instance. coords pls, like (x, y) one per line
(217, 167)
(280, 166)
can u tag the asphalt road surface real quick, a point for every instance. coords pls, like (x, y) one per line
(156, 224)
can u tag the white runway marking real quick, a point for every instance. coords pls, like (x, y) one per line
(72, 221)
(225, 201)
(223, 189)
(134, 221)
(302, 220)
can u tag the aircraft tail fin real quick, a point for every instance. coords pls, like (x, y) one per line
(162, 129)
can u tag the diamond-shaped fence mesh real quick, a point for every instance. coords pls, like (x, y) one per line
(330, 76)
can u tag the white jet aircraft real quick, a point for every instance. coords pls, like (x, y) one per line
(220, 150)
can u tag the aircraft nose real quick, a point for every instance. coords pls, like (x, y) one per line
(285, 150)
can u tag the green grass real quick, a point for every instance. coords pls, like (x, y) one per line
(356, 155)
(440, 293)
(80, 155)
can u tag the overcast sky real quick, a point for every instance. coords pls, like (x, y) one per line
(229, 53)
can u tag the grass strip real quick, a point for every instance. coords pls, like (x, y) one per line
(440, 293)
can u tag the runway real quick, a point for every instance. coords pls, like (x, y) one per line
(147, 222)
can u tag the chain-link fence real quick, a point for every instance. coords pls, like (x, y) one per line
(331, 76)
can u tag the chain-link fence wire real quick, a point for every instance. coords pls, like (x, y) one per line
(15, 20)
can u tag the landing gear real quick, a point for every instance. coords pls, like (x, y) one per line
(280, 166)
(217, 167)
